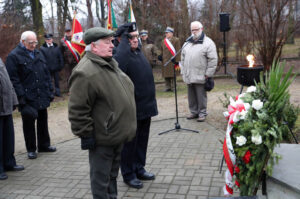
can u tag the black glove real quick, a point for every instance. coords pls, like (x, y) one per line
(88, 143)
(174, 62)
(159, 57)
(28, 111)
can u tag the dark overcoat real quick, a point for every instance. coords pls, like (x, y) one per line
(30, 77)
(136, 66)
(53, 56)
(167, 71)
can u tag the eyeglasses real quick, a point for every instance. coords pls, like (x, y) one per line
(32, 42)
(134, 36)
(194, 30)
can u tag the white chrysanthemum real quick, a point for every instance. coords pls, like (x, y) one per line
(257, 104)
(241, 140)
(256, 139)
(251, 89)
(243, 114)
(247, 106)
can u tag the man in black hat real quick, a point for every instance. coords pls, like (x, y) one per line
(54, 59)
(101, 110)
(133, 62)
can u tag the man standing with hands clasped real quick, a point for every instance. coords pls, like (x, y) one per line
(101, 110)
(198, 62)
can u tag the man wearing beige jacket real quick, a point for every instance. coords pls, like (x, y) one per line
(198, 62)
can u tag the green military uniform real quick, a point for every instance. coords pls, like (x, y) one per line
(167, 71)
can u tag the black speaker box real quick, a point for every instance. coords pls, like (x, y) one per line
(224, 22)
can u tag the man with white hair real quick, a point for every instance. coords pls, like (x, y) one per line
(101, 110)
(30, 77)
(198, 62)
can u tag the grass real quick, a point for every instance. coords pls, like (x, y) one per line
(288, 50)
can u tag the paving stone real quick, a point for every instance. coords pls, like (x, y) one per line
(186, 166)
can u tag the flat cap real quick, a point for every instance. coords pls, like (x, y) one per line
(143, 33)
(169, 29)
(96, 33)
(48, 35)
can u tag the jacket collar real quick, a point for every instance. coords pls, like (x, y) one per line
(198, 41)
(95, 58)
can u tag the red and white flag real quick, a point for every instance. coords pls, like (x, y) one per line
(77, 33)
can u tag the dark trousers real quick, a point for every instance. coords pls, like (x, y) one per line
(133, 159)
(7, 142)
(55, 76)
(43, 138)
(104, 169)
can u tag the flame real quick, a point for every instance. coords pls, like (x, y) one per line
(250, 59)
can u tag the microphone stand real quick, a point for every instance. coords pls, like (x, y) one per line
(177, 125)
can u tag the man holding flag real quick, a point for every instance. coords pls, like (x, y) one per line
(169, 46)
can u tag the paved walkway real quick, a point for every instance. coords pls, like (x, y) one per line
(185, 164)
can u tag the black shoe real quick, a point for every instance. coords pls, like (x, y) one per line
(3, 176)
(15, 168)
(32, 155)
(48, 149)
(146, 176)
(134, 183)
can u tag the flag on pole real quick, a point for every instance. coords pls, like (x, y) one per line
(131, 17)
(111, 19)
(77, 33)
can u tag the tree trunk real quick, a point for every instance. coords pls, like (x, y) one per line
(36, 8)
(90, 14)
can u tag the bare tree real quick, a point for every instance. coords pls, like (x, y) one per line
(36, 9)
(90, 18)
(101, 18)
(269, 24)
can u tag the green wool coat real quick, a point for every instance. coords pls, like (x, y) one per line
(101, 102)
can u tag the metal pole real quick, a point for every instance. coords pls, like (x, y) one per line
(224, 53)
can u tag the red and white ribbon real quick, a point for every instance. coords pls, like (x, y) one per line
(234, 109)
(171, 48)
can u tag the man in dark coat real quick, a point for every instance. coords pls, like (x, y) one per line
(8, 101)
(30, 77)
(133, 62)
(54, 58)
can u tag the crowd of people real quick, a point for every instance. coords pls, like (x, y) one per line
(111, 96)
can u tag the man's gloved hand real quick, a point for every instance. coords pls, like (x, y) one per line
(159, 57)
(174, 62)
(88, 143)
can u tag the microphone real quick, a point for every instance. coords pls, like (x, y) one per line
(189, 37)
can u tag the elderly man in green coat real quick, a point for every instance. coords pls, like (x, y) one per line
(169, 46)
(101, 110)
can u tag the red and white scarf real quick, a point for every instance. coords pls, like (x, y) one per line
(69, 45)
(171, 49)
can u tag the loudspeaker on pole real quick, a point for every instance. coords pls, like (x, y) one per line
(224, 22)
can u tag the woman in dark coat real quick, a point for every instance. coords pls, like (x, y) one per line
(8, 101)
